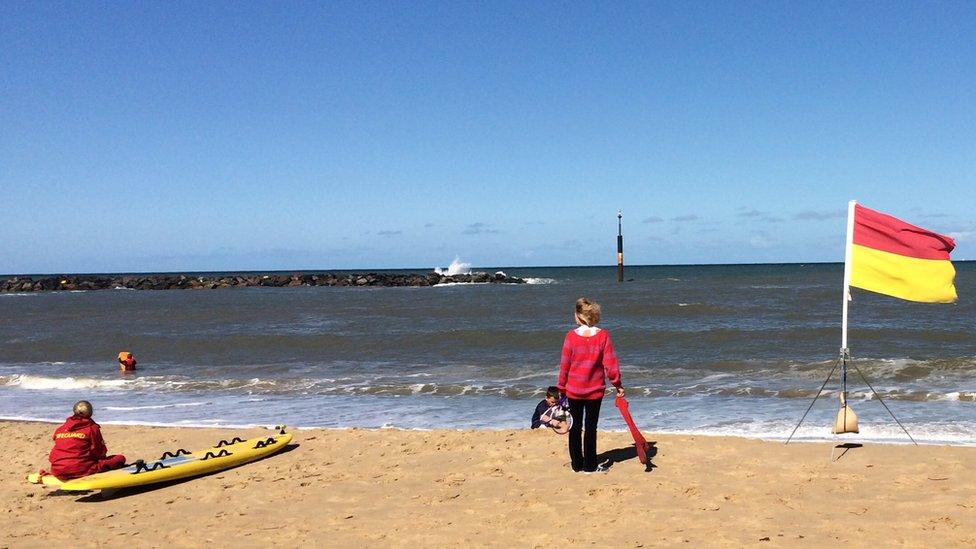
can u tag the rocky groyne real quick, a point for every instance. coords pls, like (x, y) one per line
(209, 282)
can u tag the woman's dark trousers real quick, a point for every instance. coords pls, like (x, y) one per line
(582, 453)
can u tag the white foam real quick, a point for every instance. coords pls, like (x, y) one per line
(40, 383)
(532, 280)
(524, 377)
(155, 406)
(204, 424)
(457, 267)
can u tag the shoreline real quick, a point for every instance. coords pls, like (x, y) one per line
(648, 433)
(507, 487)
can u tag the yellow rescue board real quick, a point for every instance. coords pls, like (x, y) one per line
(224, 455)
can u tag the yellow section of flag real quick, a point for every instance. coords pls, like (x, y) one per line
(911, 278)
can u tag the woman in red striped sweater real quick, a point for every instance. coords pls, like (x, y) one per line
(588, 359)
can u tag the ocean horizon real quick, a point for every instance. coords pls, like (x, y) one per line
(425, 269)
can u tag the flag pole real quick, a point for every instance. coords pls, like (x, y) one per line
(842, 424)
(847, 272)
(844, 351)
(844, 355)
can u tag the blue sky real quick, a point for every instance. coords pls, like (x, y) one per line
(212, 136)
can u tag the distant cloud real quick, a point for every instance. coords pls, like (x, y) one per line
(479, 228)
(764, 217)
(653, 219)
(810, 215)
(389, 233)
(962, 236)
(429, 225)
(761, 240)
(683, 218)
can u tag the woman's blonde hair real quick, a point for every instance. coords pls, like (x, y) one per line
(588, 311)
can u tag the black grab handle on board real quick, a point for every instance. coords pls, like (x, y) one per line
(234, 440)
(141, 466)
(177, 453)
(220, 454)
(267, 442)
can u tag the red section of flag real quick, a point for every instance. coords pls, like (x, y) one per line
(888, 234)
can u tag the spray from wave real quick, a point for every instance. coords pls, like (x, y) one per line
(457, 267)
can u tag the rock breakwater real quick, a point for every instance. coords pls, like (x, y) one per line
(19, 284)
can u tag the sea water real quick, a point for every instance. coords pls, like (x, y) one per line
(724, 350)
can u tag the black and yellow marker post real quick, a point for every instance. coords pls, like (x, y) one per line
(620, 248)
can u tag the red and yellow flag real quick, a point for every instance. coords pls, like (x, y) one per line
(894, 258)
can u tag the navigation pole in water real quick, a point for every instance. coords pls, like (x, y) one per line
(620, 248)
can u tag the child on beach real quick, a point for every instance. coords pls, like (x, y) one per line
(552, 394)
(588, 359)
(79, 449)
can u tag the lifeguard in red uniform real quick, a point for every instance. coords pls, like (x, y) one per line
(79, 449)
(127, 362)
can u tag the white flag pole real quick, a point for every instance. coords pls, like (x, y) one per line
(847, 272)
(842, 424)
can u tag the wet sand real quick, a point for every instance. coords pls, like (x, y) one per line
(371, 488)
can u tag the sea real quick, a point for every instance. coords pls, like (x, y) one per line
(737, 350)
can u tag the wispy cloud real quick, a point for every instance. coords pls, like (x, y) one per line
(389, 233)
(810, 215)
(761, 240)
(963, 236)
(479, 228)
(684, 218)
(653, 219)
(429, 225)
(764, 217)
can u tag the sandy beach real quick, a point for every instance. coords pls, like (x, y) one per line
(368, 488)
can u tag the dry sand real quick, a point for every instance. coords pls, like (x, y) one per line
(369, 488)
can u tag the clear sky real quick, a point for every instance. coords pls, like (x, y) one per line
(146, 136)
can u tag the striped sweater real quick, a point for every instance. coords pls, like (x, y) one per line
(586, 362)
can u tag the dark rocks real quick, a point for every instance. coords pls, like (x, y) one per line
(24, 284)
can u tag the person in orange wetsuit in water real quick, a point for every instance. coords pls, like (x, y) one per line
(127, 362)
(79, 449)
